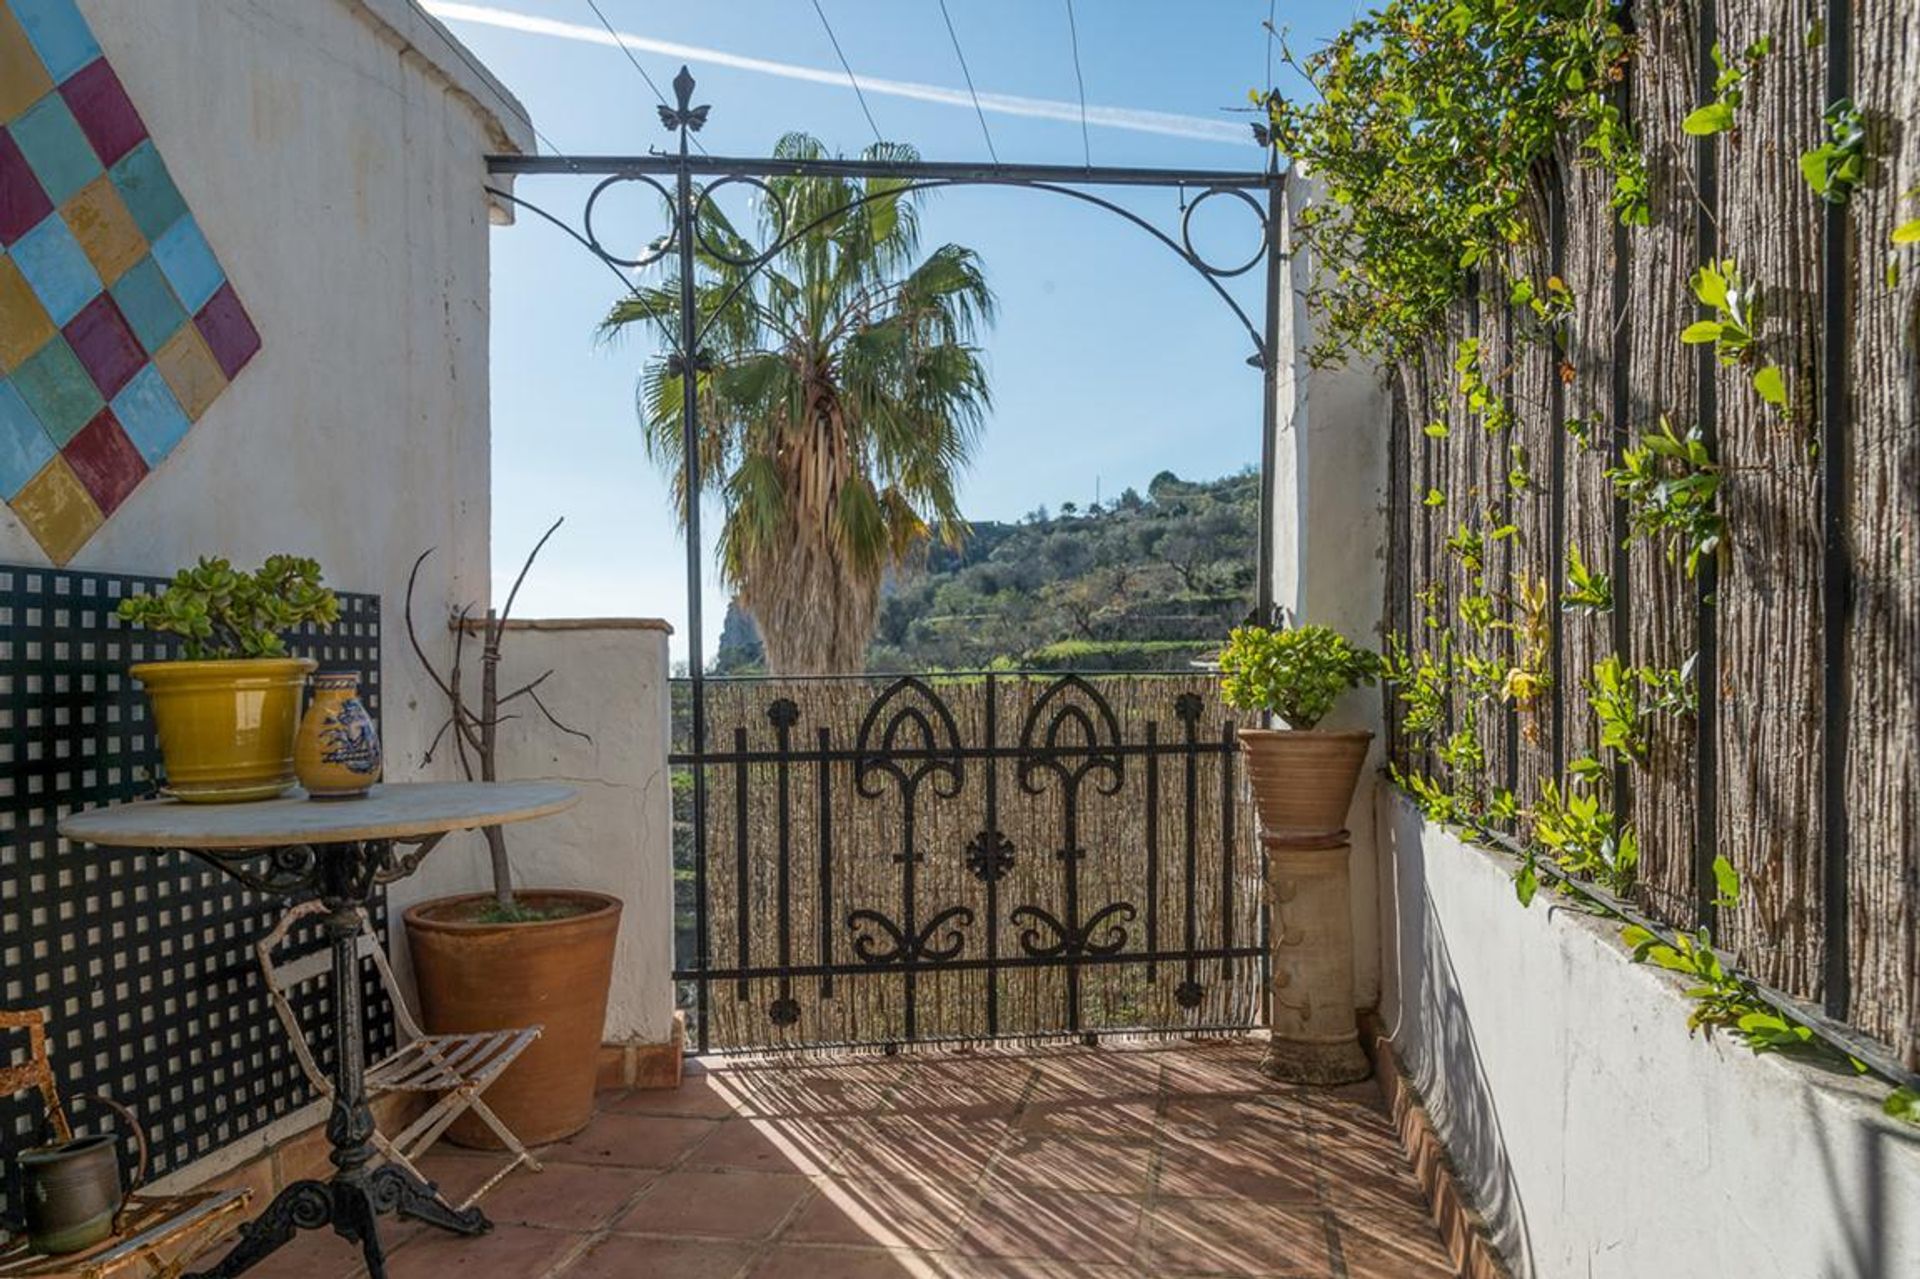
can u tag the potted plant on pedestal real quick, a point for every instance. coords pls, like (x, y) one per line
(1302, 777)
(514, 956)
(226, 711)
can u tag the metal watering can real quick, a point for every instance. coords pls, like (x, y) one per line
(71, 1190)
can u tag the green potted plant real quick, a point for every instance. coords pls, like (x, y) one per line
(226, 711)
(514, 956)
(1302, 777)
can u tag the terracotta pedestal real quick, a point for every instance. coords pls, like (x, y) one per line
(1315, 1036)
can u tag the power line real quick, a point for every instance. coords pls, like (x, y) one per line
(621, 41)
(1073, 33)
(984, 131)
(845, 66)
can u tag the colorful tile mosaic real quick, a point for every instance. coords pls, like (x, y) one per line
(118, 325)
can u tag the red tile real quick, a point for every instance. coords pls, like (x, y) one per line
(1236, 1237)
(880, 1214)
(931, 1146)
(629, 1256)
(1075, 1163)
(696, 1098)
(630, 1141)
(228, 329)
(104, 111)
(1055, 1225)
(840, 1263)
(22, 201)
(730, 1205)
(106, 345)
(108, 465)
(770, 1145)
(505, 1252)
(564, 1196)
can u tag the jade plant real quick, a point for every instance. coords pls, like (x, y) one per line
(1295, 673)
(222, 613)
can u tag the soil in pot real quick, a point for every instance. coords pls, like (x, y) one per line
(550, 965)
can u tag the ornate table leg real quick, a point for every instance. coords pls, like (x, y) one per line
(351, 1200)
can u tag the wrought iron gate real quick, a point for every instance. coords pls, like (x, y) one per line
(890, 860)
(1141, 922)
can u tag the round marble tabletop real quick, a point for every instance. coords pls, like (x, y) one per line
(403, 810)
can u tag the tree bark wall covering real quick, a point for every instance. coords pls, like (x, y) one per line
(1632, 300)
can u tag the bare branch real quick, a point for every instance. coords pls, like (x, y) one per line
(496, 627)
(555, 722)
(524, 689)
(413, 636)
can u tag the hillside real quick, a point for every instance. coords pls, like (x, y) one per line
(1139, 583)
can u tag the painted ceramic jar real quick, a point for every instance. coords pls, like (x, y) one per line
(337, 755)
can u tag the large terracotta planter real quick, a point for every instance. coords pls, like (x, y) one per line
(226, 727)
(1303, 782)
(549, 973)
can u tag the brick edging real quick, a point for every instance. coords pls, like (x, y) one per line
(1462, 1229)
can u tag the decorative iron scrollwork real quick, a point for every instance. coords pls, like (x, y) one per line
(1070, 938)
(919, 947)
(1071, 732)
(989, 856)
(1188, 994)
(784, 1012)
(908, 734)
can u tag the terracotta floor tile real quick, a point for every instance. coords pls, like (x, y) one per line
(1055, 1225)
(1394, 1253)
(632, 1256)
(731, 1205)
(503, 1251)
(1281, 1176)
(312, 1254)
(564, 1197)
(1130, 1118)
(697, 1097)
(628, 1140)
(1237, 1237)
(1100, 1074)
(802, 1146)
(800, 1262)
(964, 1088)
(929, 1146)
(1051, 1162)
(881, 1214)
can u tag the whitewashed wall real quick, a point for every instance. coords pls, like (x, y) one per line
(610, 681)
(333, 151)
(1598, 1137)
(1330, 537)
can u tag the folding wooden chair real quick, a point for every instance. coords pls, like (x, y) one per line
(457, 1067)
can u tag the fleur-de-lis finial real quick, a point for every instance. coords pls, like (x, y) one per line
(683, 116)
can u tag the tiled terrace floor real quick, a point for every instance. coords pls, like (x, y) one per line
(1156, 1160)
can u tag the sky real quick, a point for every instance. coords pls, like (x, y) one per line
(1111, 360)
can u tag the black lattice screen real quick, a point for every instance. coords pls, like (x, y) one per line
(143, 962)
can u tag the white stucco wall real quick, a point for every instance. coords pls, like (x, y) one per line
(1330, 535)
(1596, 1135)
(333, 151)
(610, 681)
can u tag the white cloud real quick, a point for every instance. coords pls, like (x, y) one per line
(1130, 119)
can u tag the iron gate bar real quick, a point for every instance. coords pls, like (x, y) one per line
(1706, 647)
(983, 963)
(683, 119)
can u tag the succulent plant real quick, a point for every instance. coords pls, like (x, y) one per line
(223, 613)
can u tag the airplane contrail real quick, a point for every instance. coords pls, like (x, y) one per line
(1130, 119)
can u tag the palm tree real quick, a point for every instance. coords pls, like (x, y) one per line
(840, 393)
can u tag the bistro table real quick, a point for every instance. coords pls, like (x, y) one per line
(341, 852)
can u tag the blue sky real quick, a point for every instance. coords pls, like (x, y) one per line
(1111, 361)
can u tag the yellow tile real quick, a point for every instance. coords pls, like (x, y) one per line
(190, 369)
(24, 323)
(99, 219)
(23, 81)
(57, 511)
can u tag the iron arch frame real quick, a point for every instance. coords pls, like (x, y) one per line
(687, 182)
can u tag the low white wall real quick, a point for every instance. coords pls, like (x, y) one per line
(610, 681)
(1330, 537)
(1597, 1136)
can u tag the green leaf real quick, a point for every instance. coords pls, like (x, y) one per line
(1525, 885)
(1435, 498)
(1727, 879)
(1907, 232)
(1701, 331)
(1813, 167)
(1435, 430)
(1715, 117)
(1771, 383)
(1903, 1104)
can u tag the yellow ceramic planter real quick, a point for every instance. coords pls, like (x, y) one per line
(226, 728)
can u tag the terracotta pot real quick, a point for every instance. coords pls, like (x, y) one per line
(1303, 782)
(226, 727)
(550, 973)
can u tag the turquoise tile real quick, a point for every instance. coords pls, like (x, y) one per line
(56, 387)
(188, 262)
(56, 148)
(149, 414)
(24, 446)
(144, 183)
(58, 33)
(57, 269)
(149, 305)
